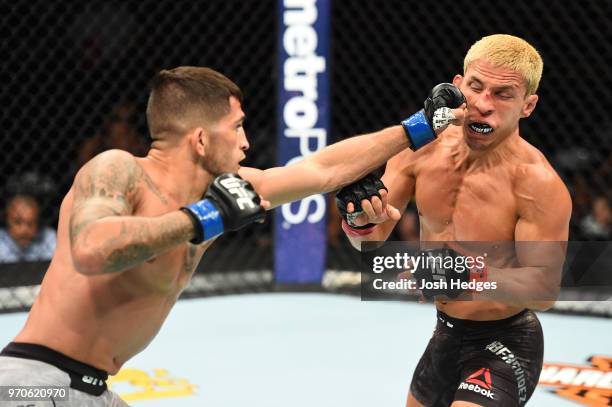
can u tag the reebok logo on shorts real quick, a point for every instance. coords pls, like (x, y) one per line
(479, 382)
(482, 378)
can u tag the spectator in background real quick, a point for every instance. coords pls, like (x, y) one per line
(118, 133)
(597, 225)
(23, 239)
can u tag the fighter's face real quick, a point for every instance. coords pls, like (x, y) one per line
(22, 222)
(227, 142)
(496, 100)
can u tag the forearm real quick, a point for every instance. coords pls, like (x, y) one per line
(356, 240)
(328, 169)
(353, 158)
(527, 287)
(117, 243)
(346, 159)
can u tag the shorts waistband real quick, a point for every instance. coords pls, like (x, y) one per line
(456, 323)
(83, 377)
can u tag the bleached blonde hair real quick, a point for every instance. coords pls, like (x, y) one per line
(511, 52)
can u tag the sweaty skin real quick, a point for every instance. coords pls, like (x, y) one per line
(123, 256)
(474, 187)
(105, 319)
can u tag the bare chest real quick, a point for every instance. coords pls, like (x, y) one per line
(170, 271)
(463, 206)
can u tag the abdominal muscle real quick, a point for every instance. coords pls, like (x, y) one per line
(102, 321)
(472, 309)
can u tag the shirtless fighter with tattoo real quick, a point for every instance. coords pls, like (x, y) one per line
(131, 230)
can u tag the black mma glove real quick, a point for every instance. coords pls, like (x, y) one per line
(421, 126)
(230, 203)
(365, 188)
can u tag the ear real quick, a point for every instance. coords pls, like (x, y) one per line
(199, 141)
(457, 80)
(530, 103)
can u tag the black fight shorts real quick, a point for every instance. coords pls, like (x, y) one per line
(491, 363)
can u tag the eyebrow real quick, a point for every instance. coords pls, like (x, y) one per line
(501, 88)
(241, 119)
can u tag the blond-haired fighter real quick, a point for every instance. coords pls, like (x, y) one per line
(480, 182)
(132, 230)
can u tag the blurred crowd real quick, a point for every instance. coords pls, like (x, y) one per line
(32, 200)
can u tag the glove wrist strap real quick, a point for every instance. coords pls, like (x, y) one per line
(357, 231)
(207, 220)
(418, 130)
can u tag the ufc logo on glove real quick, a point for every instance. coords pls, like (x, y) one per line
(235, 187)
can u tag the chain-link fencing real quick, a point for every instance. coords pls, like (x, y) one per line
(75, 81)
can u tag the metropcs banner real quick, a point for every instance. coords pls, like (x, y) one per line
(303, 123)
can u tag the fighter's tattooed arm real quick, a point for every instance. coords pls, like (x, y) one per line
(104, 237)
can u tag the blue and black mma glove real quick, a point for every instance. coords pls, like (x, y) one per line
(230, 203)
(421, 127)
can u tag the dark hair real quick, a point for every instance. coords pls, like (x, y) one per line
(186, 96)
(28, 199)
